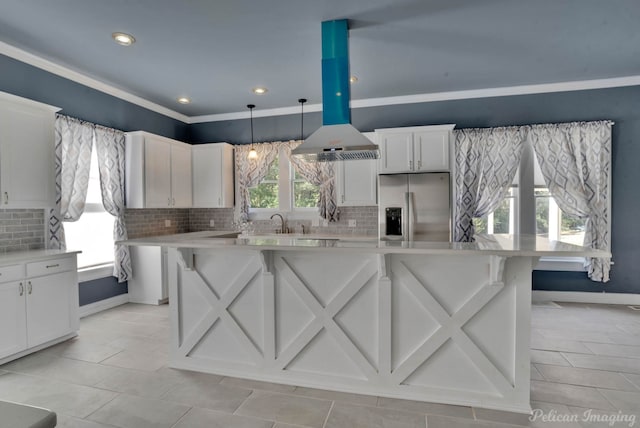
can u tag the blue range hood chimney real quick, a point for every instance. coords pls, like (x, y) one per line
(337, 139)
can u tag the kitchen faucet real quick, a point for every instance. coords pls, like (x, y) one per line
(283, 223)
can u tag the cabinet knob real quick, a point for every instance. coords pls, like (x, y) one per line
(6, 198)
(21, 289)
(168, 201)
(411, 165)
(419, 164)
(29, 287)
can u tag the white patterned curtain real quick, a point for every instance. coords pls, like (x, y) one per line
(110, 146)
(486, 163)
(319, 174)
(73, 142)
(250, 172)
(575, 160)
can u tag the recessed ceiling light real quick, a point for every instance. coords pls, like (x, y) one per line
(123, 39)
(353, 79)
(184, 100)
(260, 90)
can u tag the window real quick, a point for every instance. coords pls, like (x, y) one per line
(283, 190)
(93, 232)
(550, 221)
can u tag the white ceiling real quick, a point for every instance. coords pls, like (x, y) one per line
(216, 51)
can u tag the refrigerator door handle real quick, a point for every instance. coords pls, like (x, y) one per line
(409, 207)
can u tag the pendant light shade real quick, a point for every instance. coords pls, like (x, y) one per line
(253, 154)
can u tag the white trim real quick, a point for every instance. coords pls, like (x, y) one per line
(585, 297)
(570, 264)
(543, 88)
(83, 79)
(92, 273)
(103, 305)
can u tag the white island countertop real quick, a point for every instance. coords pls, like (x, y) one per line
(507, 245)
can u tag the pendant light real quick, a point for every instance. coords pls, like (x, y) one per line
(252, 153)
(302, 101)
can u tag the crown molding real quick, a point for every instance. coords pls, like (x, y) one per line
(36, 61)
(83, 79)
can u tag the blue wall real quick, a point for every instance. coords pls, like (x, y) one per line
(621, 105)
(100, 289)
(80, 101)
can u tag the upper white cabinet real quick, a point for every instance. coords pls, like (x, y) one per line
(158, 172)
(414, 149)
(212, 175)
(356, 180)
(27, 147)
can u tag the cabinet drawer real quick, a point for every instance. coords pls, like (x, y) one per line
(48, 267)
(11, 273)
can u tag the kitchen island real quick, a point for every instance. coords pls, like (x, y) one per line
(431, 321)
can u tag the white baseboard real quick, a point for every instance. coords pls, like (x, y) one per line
(585, 297)
(102, 305)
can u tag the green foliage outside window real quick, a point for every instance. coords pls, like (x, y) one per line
(265, 194)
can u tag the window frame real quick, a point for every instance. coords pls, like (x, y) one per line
(285, 195)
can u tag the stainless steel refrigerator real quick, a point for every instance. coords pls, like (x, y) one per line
(414, 207)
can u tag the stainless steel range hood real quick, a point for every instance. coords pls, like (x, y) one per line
(337, 139)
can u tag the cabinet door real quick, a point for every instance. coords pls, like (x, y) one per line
(356, 182)
(13, 321)
(396, 152)
(26, 156)
(207, 176)
(51, 309)
(431, 151)
(180, 176)
(157, 170)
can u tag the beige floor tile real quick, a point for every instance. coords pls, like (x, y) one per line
(137, 382)
(535, 374)
(627, 351)
(593, 418)
(570, 395)
(82, 350)
(430, 408)
(61, 397)
(204, 418)
(597, 362)
(130, 359)
(548, 357)
(289, 409)
(209, 396)
(190, 377)
(128, 411)
(69, 422)
(633, 378)
(561, 345)
(255, 384)
(623, 400)
(365, 400)
(490, 415)
(437, 421)
(63, 369)
(344, 415)
(585, 377)
(553, 415)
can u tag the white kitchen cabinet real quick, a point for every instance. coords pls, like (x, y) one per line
(149, 281)
(414, 149)
(27, 146)
(356, 181)
(38, 301)
(213, 175)
(158, 172)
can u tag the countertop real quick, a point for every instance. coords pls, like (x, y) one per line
(33, 255)
(506, 245)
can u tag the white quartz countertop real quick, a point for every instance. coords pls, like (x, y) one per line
(33, 255)
(510, 245)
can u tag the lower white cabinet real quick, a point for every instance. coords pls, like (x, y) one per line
(149, 281)
(38, 302)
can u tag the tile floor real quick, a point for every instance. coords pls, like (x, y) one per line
(584, 358)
